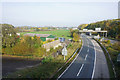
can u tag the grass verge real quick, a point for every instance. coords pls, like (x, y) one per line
(48, 66)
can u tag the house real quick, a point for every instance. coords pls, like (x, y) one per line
(75, 28)
(97, 37)
(43, 37)
(53, 45)
(62, 39)
(18, 34)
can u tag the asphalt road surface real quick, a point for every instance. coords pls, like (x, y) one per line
(89, 63)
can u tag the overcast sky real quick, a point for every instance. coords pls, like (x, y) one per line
(56, 13)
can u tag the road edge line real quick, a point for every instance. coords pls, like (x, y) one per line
(71, 63)
(94, 61)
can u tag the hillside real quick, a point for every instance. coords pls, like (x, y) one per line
(112, 26)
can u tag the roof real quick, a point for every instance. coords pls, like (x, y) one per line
(43, 38)
(51, 36)
(29, 34)
(38, 35)
(42, 35)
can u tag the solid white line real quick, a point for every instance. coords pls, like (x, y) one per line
(94, 62)
(86, 56)
(80, 70)
(71, 63)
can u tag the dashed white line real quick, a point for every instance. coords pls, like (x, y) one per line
(80, 70)
(86, 56)
(71, 63)
(82, 66)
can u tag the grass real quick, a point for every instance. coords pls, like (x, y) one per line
(47, 68)
(113, 53)
(57, 33)
(64, 67)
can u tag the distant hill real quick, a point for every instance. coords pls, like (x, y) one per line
(112, 26)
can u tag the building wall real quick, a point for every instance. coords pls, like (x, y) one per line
(53, 44)
(49, 39)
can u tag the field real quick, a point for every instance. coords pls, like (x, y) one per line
(57, 33)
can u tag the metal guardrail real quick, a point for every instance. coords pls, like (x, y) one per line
(66, 61)
(113, 67)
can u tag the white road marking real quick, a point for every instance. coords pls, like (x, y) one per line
(80, 70)
(82, 66)
(94, 62)
(71, 63)
(86, 56)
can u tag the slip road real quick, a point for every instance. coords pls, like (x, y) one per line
(89, 63)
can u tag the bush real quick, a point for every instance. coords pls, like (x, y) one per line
(39, 52)
(49, 40)
(116, 46)
(7, 50)
(22, 49)
(69, 45)
(51, 49)
(108, 41)
(47, 59)
(56, 38)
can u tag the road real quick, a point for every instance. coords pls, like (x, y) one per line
(89, 63)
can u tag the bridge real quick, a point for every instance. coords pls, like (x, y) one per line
(92, 31)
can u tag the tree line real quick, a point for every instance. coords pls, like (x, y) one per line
(112, 26)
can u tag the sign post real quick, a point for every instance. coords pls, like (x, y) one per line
(64, 52)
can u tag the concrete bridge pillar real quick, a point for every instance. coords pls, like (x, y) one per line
(106, 34)
(90, 33)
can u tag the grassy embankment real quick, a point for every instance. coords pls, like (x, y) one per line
(48, 67)
(57, 33)
(113, 50)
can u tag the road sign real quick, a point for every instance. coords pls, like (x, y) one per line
(64, 51)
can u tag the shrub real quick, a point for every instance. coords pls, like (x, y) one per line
(116, 46)
(108, 41)
(70, 45)
(49, 40)
(7, 50)
(47, 59)
(40, 52)
(56, 38)
(51, 49)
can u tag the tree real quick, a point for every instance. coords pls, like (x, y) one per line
(82, 26)
(9, 37)
(112, 26)
(73, 31)
(76, 37)
(108, 41)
